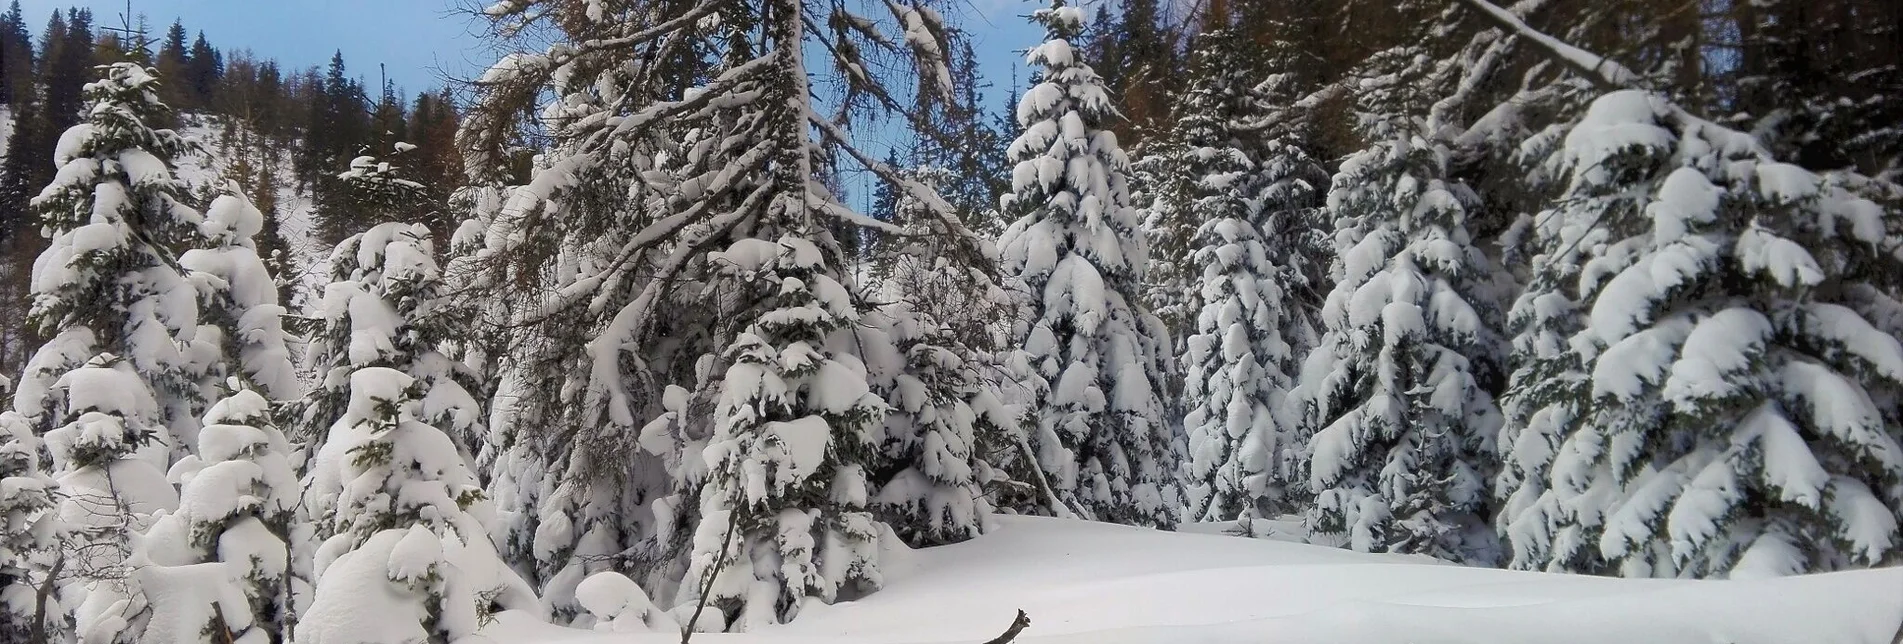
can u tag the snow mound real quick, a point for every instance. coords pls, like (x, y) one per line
(1102, 584)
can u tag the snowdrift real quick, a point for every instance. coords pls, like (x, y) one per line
(1095, 583)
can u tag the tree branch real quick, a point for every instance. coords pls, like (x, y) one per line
(1602, 72)
(1017, 626)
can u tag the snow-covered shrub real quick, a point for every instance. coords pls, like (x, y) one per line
(620, 606)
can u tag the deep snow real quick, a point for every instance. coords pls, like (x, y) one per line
(1094, 583)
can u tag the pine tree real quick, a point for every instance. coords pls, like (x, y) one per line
(405, 554)
(1396, 403)
(383, 309)
(1701, 390)
(231, 536)
(27, 532)
(1096, 360)
(1238, 360)
(243, 333)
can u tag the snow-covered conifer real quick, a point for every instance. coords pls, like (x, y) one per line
(1237, 360)
(28, 540)
(941, 412)
(406, 556)
(650, 241)
(1094, 357)
(793, 435)
(112, 484)
(1719, 396)
(243, 326)
(381, 310)
(232, 531)
(1395, 404)
(109, 282)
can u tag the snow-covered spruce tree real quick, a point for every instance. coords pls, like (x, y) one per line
(1237, 360)
(947, 426)
(1169, 227)
(28, 540)
(1719, 399)
(230, 538)
(109, 462)
(792, 438)
(406, 555)
(1094, 357)
(943, 417)
(1395, 403)
(381, 309)
(109, 281)
(725, 257)
(916, 267)
(243, 323)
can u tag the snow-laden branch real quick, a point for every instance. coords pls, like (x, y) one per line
(930, 198)
(1601, 71)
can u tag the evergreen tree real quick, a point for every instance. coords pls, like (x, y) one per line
(110, 454)
(337, 132)
(728, 272)
(1701, 390)
(406, 555)
(231, 536)
(109, 283)
(16, 59)
(786, 464)
(243, 330)
(1094, 358)
(943, 415)
(1238, 360)
(204, 66)
(436, 163)
(171, 63)
(383, 309)
(27, 530)
(1396, 402)
(69, 66)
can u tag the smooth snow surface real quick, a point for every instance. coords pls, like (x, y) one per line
(1096, 583)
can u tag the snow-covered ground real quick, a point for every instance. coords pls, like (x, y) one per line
(1089, 583)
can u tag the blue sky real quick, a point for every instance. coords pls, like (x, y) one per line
(422, 40)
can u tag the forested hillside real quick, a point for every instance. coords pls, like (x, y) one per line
(1583, 288)
(280, 132)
